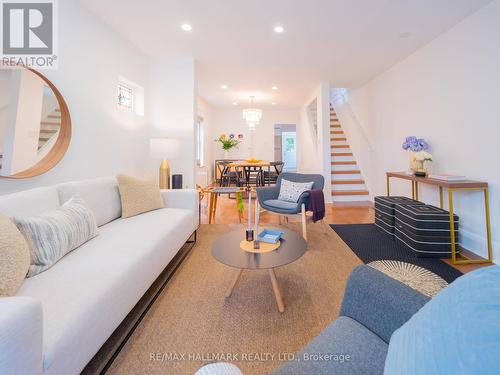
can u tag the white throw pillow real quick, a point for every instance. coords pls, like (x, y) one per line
(53, 234)
(291, 191)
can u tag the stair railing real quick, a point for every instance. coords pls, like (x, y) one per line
(341, 96)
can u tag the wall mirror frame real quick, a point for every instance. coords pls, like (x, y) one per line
(53, 152)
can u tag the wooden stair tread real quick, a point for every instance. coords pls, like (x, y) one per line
(339, 146)
(347, 162)
(54, 116)
(334, 126)
(48, 131)
(348, 182)
(352, 171)
(341, 154)
(338, 139)
(336, 132)
(349, 192)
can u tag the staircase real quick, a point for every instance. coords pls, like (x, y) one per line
(49, 127)
(347, 183)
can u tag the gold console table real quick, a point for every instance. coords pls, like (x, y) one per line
(451, 186)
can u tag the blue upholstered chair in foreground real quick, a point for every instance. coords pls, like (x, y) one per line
(386, 327)
(268, 197)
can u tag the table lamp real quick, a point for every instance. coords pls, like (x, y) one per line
(164, 148)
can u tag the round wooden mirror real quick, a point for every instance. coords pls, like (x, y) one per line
(35, 124)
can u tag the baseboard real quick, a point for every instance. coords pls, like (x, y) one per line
(104, 358)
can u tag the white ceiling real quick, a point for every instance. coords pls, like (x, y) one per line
(345, 41)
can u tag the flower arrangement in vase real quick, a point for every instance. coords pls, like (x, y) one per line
(418, 154)
(227, 143)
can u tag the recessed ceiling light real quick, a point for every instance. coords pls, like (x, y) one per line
(274, 88)
(223, 87)
(273, 103)
(234, 103)
(278, 29)
(186, 27)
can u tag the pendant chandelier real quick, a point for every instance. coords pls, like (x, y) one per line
(252, 115)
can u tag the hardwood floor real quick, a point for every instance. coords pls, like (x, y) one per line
(336, 213)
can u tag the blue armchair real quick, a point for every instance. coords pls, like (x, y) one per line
(268, 197)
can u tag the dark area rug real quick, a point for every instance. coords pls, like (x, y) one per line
(370, 244)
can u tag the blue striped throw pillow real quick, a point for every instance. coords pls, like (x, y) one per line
(53, 234)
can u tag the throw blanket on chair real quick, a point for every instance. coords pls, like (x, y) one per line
(316, 204)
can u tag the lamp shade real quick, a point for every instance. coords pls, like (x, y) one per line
(164, 148)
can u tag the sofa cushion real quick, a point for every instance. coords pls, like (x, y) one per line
(345, 347)
(282, 205)
(457, 332)
(87, 294)
(138, 195)
(53, 234)
(14, 257)
(29, 202)
(100, 194)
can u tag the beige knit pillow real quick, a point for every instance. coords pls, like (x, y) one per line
(138, 195)
(14, 257)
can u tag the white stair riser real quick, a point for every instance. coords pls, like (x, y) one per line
(344, 168)
(350, 198)
(342, 158)
(343, 149)
(345, 187)
(340, 177)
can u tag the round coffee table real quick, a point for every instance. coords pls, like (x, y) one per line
(226, 250)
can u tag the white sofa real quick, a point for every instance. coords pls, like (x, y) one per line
(60, 318)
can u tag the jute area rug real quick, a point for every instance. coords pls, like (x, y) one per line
(192, 323)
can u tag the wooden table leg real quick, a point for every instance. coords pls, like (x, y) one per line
(233, 283)
(214, 206)
(210, 204)
(277, 293)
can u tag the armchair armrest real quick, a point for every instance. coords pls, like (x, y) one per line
(187, 199)
(379, 302)
(21, 336)
(268, 192)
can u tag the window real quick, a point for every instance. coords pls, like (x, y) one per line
(200, 160)
(125, 97)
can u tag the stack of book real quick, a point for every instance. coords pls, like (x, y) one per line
(447, 177)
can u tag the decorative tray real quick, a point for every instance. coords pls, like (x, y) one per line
(270, 236)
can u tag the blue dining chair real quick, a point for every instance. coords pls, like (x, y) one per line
(268, 197)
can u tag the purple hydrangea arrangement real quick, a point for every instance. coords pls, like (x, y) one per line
(415, 144)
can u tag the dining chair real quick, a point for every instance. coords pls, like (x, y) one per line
(267, 197)
(272, 176)
(228, 176)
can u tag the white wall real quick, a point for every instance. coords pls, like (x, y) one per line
(105, 140)
(230, 121)
(448, 93)
(20, 150)
(314, 149)
(204, 175)
(173, 111)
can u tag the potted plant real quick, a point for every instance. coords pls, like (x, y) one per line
(417, 151)
(227, 144)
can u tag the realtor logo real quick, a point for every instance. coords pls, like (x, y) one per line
(28, 33)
